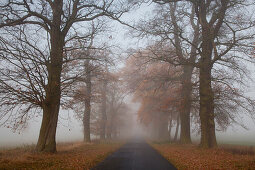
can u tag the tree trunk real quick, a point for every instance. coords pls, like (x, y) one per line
(87, 111)
(104, 117)
(185, 137)
(188, 67)
(177, 128)
(109, 126)
(163, 128)
(46, 141)
(206, 112)
(210, 31)
(170, 127)
(47, 137)
(109, 132)
(86, 121)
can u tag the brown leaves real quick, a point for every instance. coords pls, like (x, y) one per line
(70, 156)
(192, 157)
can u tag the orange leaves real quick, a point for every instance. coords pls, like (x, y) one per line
(70, 156)
(191, 157)
(156, 85)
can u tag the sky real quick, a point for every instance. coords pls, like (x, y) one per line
(71, 129)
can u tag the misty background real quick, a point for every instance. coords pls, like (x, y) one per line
(70, 129)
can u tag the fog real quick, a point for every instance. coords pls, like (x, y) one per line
(70, 129)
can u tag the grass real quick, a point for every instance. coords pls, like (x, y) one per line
(76, 155)
(193, 157)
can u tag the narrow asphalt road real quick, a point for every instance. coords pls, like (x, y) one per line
(135, 155)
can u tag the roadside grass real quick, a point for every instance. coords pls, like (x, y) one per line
(193, 157)
(76, 155)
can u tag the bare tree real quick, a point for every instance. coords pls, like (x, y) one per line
(91, 68)
(103, 110)
(168, 27)
(221, 32)
(105, 78)
(115, 103)
(57, 19)
(82, 93)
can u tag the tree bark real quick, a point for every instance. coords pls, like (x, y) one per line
(87, 102)
(104, 117)
(206, 112)
(185, 137)
(47, 137)
(210, 31)
(188, 66)
(86, 121)
(46, 141)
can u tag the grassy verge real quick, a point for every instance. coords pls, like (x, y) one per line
(192, 157)
(70, 156)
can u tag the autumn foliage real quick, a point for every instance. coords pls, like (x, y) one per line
(70, 156)
(156, 87)
(192, 157)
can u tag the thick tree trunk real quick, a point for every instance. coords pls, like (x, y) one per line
(87, 111)
(103, 111)
(185, 137)
(210, 31)
(206, 112)
(177, 129)
(188, 67)
(47, 137)
(86, 122)
(46, 141)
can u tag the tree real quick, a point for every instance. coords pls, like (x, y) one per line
(57, 20)
(82, 93)
(105, 78)
(115, 104)
(91, 63)
(168, 26)
(220, 33)
(103, 109)
(154, 86)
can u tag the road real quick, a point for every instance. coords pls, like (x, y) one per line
(135, 155)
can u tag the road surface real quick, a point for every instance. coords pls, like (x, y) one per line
(135, 155)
